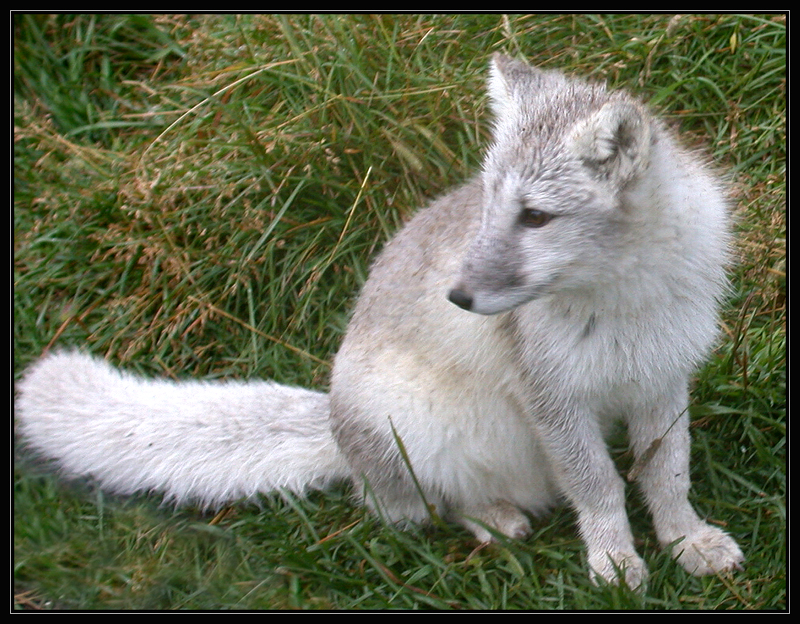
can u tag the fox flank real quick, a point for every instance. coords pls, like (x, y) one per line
(574, 282)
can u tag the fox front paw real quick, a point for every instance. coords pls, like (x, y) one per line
(708, 550)
(618, 567)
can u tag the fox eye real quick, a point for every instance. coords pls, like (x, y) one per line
(532, 218)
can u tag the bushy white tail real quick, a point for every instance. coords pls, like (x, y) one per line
(209, 443)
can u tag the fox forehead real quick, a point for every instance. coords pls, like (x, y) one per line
(531, 172)
(538, 177)
(547, 113)
(530, 145)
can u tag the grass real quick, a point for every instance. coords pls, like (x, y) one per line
(201, 196)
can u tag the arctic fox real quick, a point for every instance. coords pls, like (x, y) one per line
(572, 283)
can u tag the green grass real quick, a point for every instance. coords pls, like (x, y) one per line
(201, 196)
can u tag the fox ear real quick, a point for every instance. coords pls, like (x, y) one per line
(614, 141)
(510, 80)
(498, 85)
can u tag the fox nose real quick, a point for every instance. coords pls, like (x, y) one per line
(461, 298)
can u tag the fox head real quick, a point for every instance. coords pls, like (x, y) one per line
(564, 153)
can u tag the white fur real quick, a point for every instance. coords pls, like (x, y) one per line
(205, 442)
(589, 259)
